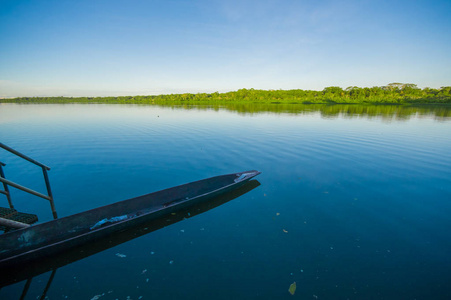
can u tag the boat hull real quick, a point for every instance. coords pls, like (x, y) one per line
(56, 236)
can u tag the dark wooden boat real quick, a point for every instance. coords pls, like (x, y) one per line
(56, 236)
(27, 270)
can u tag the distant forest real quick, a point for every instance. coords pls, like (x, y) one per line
(393, 93)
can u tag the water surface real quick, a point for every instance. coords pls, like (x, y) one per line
(354, 203)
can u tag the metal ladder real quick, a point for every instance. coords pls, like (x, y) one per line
(11, 223)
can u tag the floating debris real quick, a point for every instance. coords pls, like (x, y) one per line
(96, 297)
(285, 231)
(292, 288)
(151, 252)
(144, 271)
(121, 255)
(147, 279)
(182, 230)
(277, 214)
(171, 262)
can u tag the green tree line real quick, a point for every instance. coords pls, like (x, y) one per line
(393, 93)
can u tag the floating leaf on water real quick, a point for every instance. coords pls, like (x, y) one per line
(292, 288)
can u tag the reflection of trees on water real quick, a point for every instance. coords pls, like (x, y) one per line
(388, 112)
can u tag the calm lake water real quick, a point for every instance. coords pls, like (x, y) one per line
(353, 203)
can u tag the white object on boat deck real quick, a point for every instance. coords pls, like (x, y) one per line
(242, 177)
(110, 220)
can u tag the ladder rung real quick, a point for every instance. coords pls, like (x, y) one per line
(13, 224)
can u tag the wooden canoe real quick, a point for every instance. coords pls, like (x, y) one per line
(27, 270)
(56, 236)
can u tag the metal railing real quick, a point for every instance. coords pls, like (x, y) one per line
(7, 182)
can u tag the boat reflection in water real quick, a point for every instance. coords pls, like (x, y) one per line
(26, 271)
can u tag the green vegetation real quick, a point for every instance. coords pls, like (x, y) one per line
(393, 93)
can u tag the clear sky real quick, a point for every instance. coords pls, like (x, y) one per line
(99, 48)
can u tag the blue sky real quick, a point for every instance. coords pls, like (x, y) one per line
(99, 48)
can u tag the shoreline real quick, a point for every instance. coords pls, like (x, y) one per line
(399, 94)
